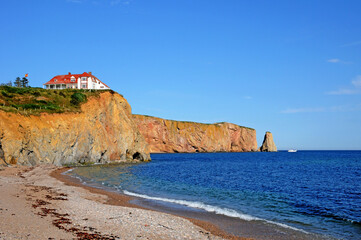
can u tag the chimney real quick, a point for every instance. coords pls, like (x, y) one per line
(90, 73)
(69, 73)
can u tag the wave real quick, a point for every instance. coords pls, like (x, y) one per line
(68, 171)
(199, 205)
(81, 180)
(213, 209)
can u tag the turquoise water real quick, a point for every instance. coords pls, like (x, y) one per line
(313, 191)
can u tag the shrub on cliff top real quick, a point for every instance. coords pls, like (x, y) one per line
(77, 98)
(5, 94)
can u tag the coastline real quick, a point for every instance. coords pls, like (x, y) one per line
(42, 203)
(36, 205)
(216, 224)
(118, 199)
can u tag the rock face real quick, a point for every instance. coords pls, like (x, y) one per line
(268, 144)
(167, 136)
(104, 131)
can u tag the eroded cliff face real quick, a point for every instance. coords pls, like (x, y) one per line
(167, 136)
(104, 131)
(268, 144)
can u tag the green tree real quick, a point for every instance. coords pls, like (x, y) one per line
(24, 82)
(17, 82)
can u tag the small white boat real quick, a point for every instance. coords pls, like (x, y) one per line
(292, 150)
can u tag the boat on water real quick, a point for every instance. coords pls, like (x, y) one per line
(292, 150)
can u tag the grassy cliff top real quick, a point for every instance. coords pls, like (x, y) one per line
(147, 116)
(33, 101)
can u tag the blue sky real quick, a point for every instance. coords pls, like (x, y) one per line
(289, 67)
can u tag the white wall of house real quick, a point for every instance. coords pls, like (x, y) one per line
(99, 85)
(90, 83)
(83, 83)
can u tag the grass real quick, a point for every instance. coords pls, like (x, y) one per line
(194, 122)
(33, 101)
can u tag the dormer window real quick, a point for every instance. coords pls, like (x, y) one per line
(55, 80)
(72, 79)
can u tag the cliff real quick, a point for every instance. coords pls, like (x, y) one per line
(167, 136)
(102, 131)
(268, 144)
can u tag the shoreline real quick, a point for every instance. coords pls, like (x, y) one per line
(118, 199)
(35, 205)
(218, 225)
(42, 203)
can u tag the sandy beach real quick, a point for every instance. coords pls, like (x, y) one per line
(35, 205)
(42, 203)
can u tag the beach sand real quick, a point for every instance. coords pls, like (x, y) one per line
(41, 203)
(35, 205)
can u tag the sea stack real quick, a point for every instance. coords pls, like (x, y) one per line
(268, 144)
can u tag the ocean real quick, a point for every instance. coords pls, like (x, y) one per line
(309, 191)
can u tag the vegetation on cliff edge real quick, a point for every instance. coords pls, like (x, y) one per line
(33, 101)
(147, 116)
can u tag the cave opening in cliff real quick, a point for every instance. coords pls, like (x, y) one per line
(137, 156)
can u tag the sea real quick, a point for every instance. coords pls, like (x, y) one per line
(308, 191)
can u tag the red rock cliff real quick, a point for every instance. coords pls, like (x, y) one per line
(104, 131)
(167, 136)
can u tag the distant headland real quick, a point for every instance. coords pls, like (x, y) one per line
(169, 136)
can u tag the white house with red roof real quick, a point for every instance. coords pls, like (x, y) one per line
(78, 81)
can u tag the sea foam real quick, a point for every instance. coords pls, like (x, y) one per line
(199, 205)
(213, 209)
(68, 171)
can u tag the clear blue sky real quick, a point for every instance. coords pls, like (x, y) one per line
(289, 67)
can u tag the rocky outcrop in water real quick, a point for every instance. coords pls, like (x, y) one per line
(167, 136)
(104, 131)
(268, 144)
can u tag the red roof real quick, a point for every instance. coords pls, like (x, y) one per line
(64, 79)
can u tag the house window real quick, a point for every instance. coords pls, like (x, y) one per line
(84, 86)
(83, 78)
(101, 86)
(72, 79)
(55, 80)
